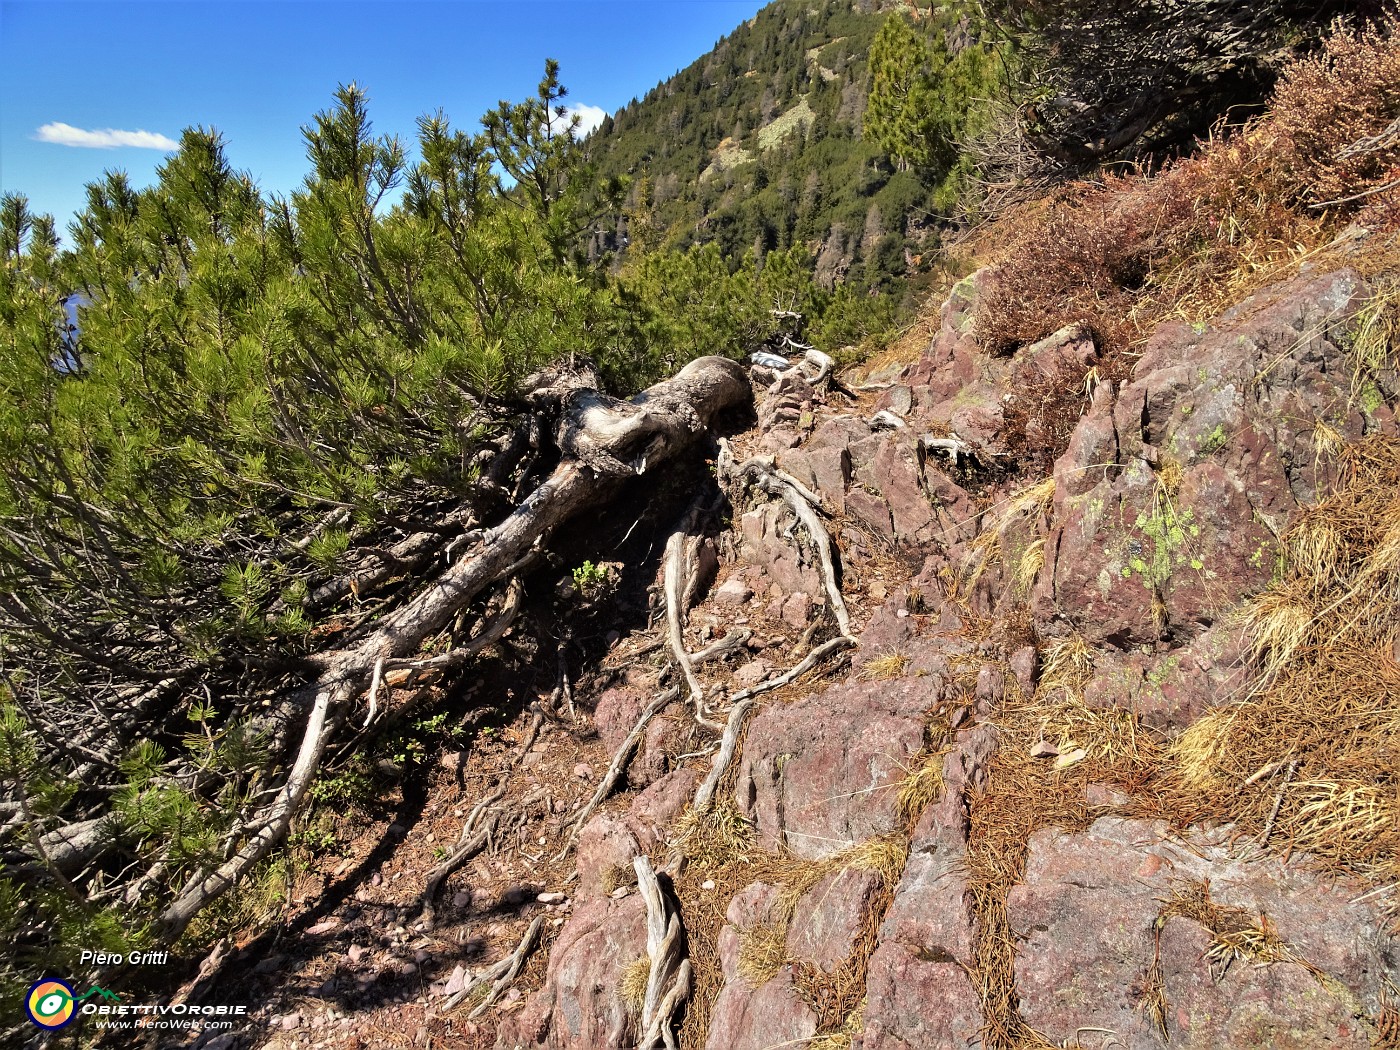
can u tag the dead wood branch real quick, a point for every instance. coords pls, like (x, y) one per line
(271, 824)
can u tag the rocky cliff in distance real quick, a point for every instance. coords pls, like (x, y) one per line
(973, 834)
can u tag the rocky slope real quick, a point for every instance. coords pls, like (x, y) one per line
(958, 826)
(926, 849)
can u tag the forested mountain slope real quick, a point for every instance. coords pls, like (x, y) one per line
(760, 145)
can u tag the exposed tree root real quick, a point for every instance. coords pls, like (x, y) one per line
(475, 836)
(668, 983)
(617, 767)
(607, 442)
(743, 703)
(678, 578)
(500, 976)
(803, 502)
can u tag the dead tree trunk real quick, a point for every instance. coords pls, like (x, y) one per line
(605, 442)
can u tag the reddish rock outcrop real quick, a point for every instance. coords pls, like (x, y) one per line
(1084, 916)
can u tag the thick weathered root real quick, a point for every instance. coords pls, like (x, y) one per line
(607, 441)
(669, 979)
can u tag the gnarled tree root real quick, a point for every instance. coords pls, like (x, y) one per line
(607, 442)
(669, 979)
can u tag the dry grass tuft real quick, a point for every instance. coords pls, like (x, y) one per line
(891, 664)
(634, 985)
(921, 787)
(1169, 475)
(762, 952)
(1066, 664)
(1032, 561)
(842, 1037)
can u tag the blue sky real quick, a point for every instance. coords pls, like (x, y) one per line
(257, 70)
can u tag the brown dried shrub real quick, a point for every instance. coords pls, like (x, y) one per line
(1128, 251)
(1337, 113)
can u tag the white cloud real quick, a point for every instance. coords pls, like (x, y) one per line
(589, 117)
(106, 138)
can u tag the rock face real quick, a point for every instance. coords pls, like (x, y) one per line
(1084, 917)
(918, 993)
(1178, 490)
(818, 775)
(580, 1006)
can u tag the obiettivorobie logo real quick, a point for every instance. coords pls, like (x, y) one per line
(52, 1004)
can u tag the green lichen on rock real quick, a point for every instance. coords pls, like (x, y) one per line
(1170, 531)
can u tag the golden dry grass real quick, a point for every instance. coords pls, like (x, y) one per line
(1308, 760)
(890, 664)
(762, 952)
(921, 786)
(1066, 665)
(718, 847)
(634, 984)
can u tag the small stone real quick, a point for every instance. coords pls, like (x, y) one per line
(550, 898)
(751, 673)
(1044, 749)
(902, 613)
(450, 759)
(269, 965)
(420, 956)
(733, 591)
(462, 899)
(396, 831)
(456, 982)
(708, 884)
(408, 969)
(620, 892)
(516, 895)
(797, 610)
(583, 771)
(354, 953)
(1023, 664)
(291, 1021)
(376, 879)
(878, 592)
